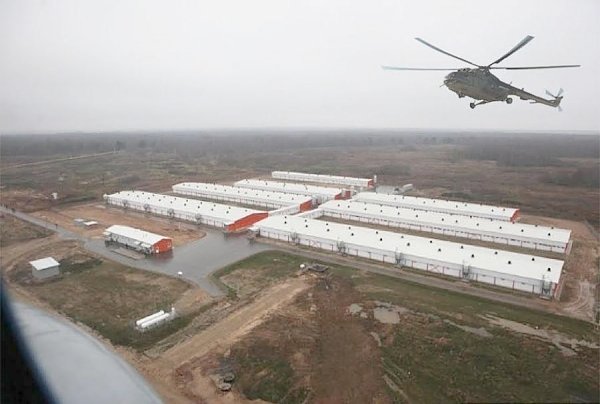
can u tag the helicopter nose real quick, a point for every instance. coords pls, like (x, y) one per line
(449, 79)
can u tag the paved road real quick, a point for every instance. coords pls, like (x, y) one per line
(196, 260)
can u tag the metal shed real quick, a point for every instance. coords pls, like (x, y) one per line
(44, 268)
(497, 231)
(441, 205)
(228, 218)
(528, 273)
(246, 196)
(324, 179)
(320, 194)
(139, 240)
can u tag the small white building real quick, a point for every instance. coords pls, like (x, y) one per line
(44, 268)
(139, 240)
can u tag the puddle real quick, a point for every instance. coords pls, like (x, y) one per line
(565, 344)
(388, 313)
(386, 316)
(482, 332)
(354, 308)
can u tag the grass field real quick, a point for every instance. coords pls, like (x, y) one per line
(107, 297)
(255, 273)
(431, 355)
(14, 231)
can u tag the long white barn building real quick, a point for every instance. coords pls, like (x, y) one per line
(228, 218)
(441, 205)
(246, 196)
(320, 194)
(528, 273)
(324, 179)
(497, 231)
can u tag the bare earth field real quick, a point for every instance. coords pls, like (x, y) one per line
(13, 231)
(181, 233)
(359, 337)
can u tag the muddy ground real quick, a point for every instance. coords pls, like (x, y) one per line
(364, 338)
(64, 216)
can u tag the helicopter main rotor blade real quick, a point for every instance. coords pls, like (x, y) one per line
(414, 68)
(535, 67)
(445, 53)
(518, 46)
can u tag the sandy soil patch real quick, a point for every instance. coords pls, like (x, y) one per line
(181, 233)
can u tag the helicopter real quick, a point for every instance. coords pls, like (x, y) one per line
(481, 85)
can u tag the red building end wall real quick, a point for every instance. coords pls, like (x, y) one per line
(345, 194)
(306, 206)
(515, 216)
(164, 245)
(371, 184)
(247, 221)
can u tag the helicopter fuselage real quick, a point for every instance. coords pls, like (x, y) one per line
(483, 86)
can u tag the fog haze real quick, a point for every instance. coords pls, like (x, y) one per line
(149, 65)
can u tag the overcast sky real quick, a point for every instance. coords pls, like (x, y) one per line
(134, 65)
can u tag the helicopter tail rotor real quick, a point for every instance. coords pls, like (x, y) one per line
(557, 98)
(557, 94)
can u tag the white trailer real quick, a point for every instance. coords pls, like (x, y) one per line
(150, 317)
(155, 321)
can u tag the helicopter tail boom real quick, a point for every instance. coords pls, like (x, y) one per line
(524, 95)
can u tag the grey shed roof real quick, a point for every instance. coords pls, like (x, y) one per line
(44, 263)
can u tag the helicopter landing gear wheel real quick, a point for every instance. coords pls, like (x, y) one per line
(509, 100)
(472, 105)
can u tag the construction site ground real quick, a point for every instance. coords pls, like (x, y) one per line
(355, 336)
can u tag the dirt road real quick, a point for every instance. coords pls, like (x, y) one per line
(228, 330)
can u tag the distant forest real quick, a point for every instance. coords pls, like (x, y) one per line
(506, 149)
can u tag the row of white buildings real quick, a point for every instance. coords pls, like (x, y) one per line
(291, 212)
(492, 230)
(524, 272)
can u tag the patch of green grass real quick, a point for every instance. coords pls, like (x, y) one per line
(436, 362)
(448, 303)
(109, 297)
(13, 230)
(264, 375)
(71, 266)
(270, 266)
